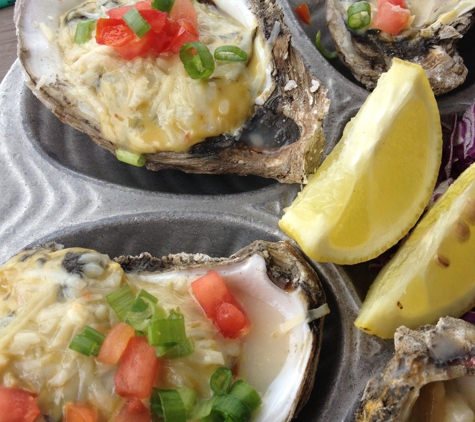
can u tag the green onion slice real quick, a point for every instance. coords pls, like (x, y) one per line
(168, 405)
(88, 343)
(243, 391)
(221, 380)
(137, 160)
(230, 53)
(188, 396)
(83, 31)
(325, 53)
(136, 22)
(231, 407)
(163, 5)
(121, 301)
(202, 409)
(169, 330)
(359, 15)
(200, 65)
(175, 350)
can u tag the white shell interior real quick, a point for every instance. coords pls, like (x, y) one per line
(249, 283)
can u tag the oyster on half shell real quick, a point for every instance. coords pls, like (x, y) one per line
(430, 39)
(268, 122)
(51, 293)
(430, 378)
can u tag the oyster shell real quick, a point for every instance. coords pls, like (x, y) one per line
(431, 41)
(52, 293)
(430, 354)
(282, 138)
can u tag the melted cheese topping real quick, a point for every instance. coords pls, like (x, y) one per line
(151, 104)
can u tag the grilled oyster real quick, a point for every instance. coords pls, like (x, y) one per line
(430, 378)
(51, 293)
(429, 39)
(269, 122)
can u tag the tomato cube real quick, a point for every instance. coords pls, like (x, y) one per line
(17, 405)
(76, 412)
(133, 411)
(138, 370)
(219, 304)
(115, 343)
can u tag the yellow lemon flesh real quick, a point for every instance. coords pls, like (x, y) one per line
(375, 184)
(433, 273)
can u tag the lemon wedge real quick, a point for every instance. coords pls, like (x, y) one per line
(432, 274)
(375, 184)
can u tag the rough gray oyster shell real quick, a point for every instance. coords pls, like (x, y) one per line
(368, 53)
(431, 353)
(289, 122)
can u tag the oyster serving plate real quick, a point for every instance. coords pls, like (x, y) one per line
(57, 185)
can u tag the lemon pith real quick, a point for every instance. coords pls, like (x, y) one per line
(375, 184)
(433, 273)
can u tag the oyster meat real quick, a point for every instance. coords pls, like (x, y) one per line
(50, 295)
(262, 116)
(430, 378)
(429, 38)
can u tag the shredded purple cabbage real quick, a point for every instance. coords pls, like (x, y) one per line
(469, 316)
(458, 151)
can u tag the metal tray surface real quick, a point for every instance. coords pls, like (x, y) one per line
(56, 184)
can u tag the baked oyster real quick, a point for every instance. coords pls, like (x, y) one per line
(430, 378)
(429, 37)
(51, 294)
(261, 116)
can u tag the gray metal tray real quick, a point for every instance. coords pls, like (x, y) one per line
(56, 184)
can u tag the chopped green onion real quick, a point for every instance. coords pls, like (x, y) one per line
(232, 407)
(174, 351)
(188, 396)
(168, 405)
(359, 15)
(221, 380)
(136, 22)
(163, 5)
(169, 330)
(137, 160)
(230, 53)
(200, 65)
(88, 343)
(143, 294)
(83, 31)
(325, 53)
(201, 409)
(121, 301)
(243, 391)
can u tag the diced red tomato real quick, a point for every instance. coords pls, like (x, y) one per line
(17, 405)
(231, 321)
(181, 37)
(115, 343)
(113, 32)
(133, 411)
(76, 412)
(167, 34)
(391, 17)
(211, 293)
(156, 19)
(137, 48)
(138, 370)
(118, 12)
(303, 12)
(183, 10)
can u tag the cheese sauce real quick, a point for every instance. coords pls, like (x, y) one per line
(151, 104)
